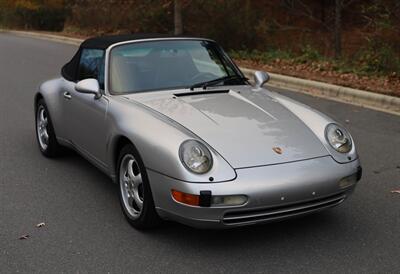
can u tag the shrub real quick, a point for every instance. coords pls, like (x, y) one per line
(42, 18)
(308, 54)
(378, 57)
(262, 56)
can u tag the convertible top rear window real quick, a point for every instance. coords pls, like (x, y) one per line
(86, 63)
(70, 70)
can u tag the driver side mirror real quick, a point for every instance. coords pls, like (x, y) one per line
(89, 86)
(261, 77)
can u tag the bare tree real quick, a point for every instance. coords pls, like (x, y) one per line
(338, 29)
(331, 21)
(178, 17)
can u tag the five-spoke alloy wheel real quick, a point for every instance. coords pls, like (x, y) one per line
(134, 189)
(131, 184)
(41, 124)
(46, 137)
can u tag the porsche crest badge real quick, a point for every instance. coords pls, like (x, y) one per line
(278, 150)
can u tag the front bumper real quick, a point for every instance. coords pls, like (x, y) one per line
(274, 192)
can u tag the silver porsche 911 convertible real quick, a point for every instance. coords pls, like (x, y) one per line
(174, 122)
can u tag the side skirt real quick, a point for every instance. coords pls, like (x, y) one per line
(90, 158)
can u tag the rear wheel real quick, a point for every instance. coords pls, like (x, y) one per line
(134, 190)
(46, 137)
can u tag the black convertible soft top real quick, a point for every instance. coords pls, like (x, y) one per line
(69, 70)
(103, 42)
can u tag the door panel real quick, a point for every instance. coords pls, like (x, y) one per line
(87, 124)
(85, 116)
(63, 115)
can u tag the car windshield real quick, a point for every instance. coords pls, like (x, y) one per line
(169, 64)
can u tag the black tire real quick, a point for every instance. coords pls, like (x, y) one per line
(148, 217)
(52, 148)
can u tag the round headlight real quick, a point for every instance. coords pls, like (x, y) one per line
(195, 156)
(339, 138)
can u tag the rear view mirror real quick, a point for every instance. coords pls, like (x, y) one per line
(261, 77)
(89, 86)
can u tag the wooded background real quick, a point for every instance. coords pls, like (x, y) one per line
(332, 28)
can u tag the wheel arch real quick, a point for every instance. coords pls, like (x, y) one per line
(120, 142)
(36, 99)
(117, 143)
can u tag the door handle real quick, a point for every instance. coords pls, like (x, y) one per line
(67, 95)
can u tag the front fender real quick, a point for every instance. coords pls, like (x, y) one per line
(50, 91)
(317, 122)
(157, 139)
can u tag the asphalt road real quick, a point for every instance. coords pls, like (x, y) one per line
(85, 230)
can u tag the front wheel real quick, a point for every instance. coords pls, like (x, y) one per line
(46, 137)
(134, 190)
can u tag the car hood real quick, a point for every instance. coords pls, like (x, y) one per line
(246, 127)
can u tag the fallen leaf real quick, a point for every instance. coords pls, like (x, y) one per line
(40, 225)
(24, 237)
(395, 191)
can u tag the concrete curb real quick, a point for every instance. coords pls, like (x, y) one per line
(376, 101)
(45, 36)
(357, 97)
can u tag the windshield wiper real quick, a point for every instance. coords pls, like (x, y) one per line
(206, 84)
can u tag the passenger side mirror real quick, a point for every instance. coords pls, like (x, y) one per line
(89, 86)
(260, 77)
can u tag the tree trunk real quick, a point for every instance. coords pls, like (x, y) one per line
(338, 29)
(178, 17)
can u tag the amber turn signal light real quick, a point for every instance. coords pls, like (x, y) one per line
(205, 199)
(185, 198)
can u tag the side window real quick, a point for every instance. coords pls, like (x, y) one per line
(91, 65)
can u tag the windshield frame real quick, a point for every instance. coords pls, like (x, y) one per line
(107, 82)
